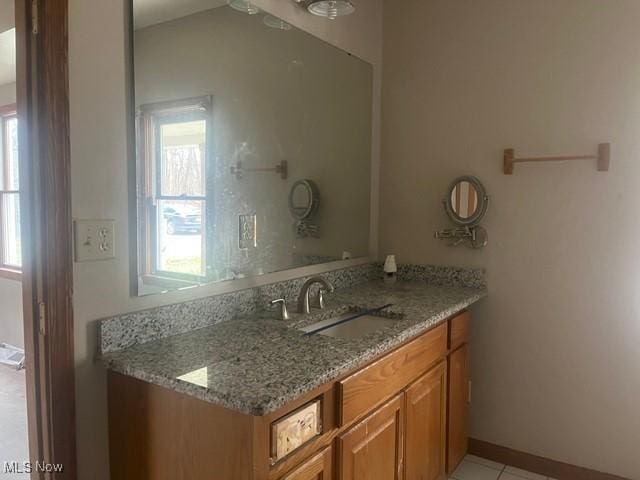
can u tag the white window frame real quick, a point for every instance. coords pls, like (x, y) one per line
(7, 270)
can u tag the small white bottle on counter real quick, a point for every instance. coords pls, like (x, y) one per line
(390, 269)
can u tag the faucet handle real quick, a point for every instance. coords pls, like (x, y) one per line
(319, 301)
(284, 313)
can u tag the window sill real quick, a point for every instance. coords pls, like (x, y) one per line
(9, 274)
(167, 282)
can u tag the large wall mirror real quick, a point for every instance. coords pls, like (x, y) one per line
(253, 145)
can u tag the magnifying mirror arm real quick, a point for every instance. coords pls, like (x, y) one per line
(460, 233)
(475, 236)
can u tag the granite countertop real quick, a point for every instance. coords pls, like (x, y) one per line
(258, 364)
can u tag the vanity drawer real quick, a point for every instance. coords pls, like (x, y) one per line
(459, 330)
(294, 430)
(370, 386)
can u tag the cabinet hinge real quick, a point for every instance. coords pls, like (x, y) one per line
(42, 318)
(34, 17)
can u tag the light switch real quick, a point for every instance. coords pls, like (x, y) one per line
(94, 240)
(247, 231)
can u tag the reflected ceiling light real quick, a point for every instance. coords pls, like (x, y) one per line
(275, 22)
(331, 9)
(243, 6)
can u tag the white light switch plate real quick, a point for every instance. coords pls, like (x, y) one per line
(94, 240)
(247, 231)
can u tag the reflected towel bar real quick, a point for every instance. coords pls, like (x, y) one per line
(282, 169)
(603, 157)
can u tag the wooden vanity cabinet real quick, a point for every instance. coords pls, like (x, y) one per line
(458, 406)
(318, 467)
(426, 424)
(458, 390)
(373, 449)
(363, 390)
(402, 417)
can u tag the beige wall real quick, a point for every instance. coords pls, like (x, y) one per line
(11, 324)
(7, 94)
(99, 162)
(556, 346)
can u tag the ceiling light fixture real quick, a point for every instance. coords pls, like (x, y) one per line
(331, 9)
(275, 22)
(243, 6)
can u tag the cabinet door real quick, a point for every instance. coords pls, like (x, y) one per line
(458, 406)
(318, 467)
(426, 426)
(373, 449)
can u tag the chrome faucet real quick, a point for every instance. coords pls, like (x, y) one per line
(303, 299)
(284, 313)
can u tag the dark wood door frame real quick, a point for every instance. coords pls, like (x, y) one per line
(43, 110)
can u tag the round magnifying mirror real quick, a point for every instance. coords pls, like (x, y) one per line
(467, 201)
(304, 199)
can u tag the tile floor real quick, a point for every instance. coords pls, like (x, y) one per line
(476, 468)
(13, 420)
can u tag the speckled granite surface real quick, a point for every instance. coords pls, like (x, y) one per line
(256, 364)
(443, 275)
(136, 328)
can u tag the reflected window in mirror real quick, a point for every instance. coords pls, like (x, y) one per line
(464, 199)
(174, 157)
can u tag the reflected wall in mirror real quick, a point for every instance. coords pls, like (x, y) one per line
(233, 110)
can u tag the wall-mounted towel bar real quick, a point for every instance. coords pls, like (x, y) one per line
(603, 157)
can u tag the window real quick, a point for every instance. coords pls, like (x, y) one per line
(10, 242)
(173, 163)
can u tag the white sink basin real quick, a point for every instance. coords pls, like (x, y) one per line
(352, 325)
